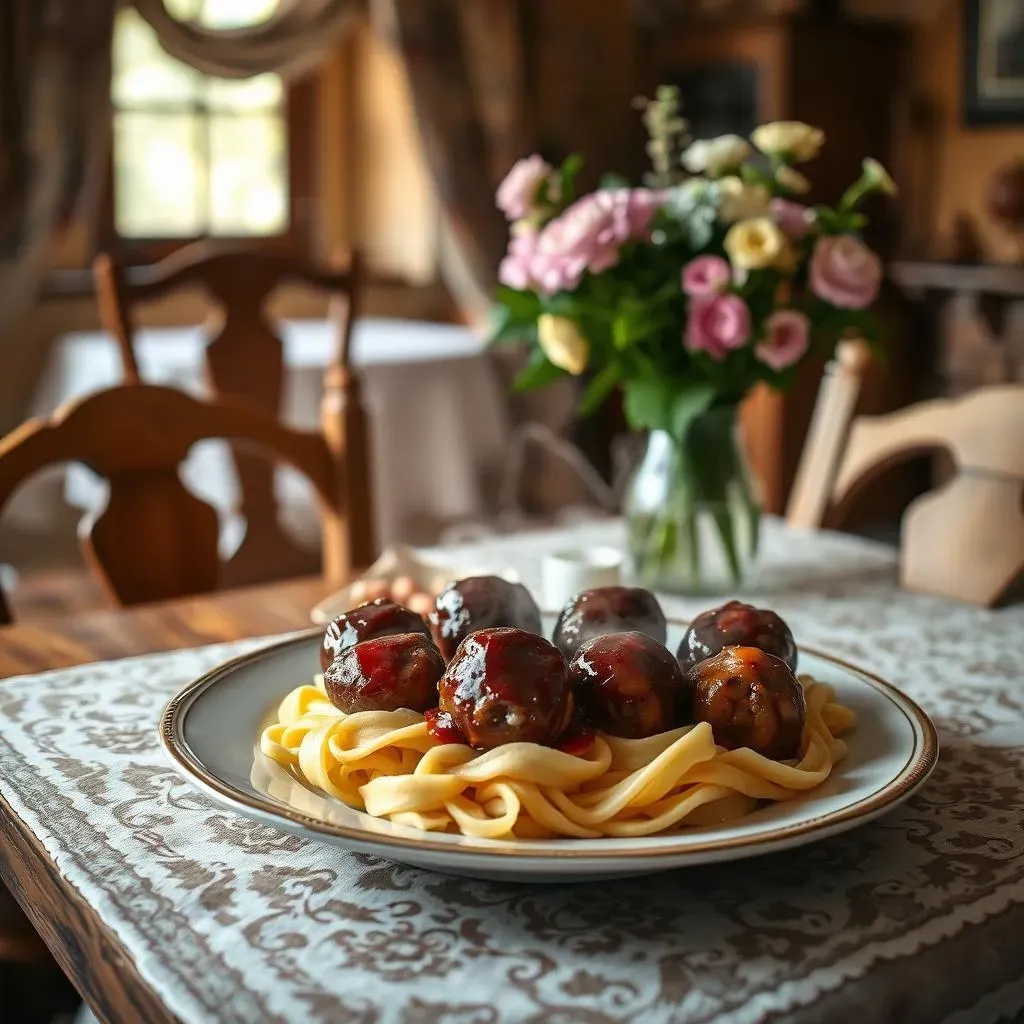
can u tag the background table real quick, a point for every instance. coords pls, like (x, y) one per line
(164, 907)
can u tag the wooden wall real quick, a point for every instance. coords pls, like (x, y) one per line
(953, 162)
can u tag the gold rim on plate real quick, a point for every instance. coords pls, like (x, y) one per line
(914, 772)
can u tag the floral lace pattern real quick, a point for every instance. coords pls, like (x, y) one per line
(916, 917)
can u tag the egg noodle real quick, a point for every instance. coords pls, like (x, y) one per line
(387, 764)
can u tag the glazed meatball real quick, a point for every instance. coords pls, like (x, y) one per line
(506, 686)
(375, 618)
(385, 673)
(627, 684)
(480, 602)
(751, 699)
(608, 610)
(736, 623)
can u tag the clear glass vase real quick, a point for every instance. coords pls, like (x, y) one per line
(692, 510)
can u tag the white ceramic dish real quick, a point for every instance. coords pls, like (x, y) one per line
(210, 732)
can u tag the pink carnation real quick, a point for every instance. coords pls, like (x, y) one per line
(587, 236)
(845, 272)
(515, 270)
(794, 219)
(705, 275)
(717, 324)
(788, 335)
(517, 194)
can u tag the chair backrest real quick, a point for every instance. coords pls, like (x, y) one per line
(964, 539)
(244, 358)
(154, 539)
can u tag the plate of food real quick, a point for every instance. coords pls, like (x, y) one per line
(489, 740)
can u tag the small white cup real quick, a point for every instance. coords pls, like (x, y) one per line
(565, 573)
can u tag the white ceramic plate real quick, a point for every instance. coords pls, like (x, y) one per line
(210, 731)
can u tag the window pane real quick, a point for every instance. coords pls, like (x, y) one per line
(248, 175)
(142, 72)
(236, 13)
(160, 176)
(263, 92)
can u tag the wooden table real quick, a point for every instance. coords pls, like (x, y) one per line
(88, 953)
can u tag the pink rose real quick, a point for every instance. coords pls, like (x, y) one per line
(794, 219)
(706, 275)
(517, 194)
(717, 324)
(515, 270)
(588, 236)
(845, 272)
(788, 335)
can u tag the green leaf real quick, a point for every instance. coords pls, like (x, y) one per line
(522, 307)
(648, 403)
(537, 373)
(599, 388)
(688, 403)
(567, 175)
(614, 181)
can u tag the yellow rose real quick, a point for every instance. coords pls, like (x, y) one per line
(792, 180)
(793, 140)
(754, 244)
(561, 341)
(740, 200)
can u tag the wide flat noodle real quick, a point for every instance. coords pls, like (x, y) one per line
(387, 764)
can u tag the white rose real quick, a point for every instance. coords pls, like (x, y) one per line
(741, 200)
(791, 139)
(715, 156)
(561, 341)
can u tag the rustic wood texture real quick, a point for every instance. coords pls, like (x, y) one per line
(154, 539)
(244, 358)
(61, 642)
(90, 955)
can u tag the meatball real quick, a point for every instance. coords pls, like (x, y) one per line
(375, 618)
(385, 673)
(480, 602)
(627, 684)
(608, 610)
(506, 686)
(736, 623)
(751, 699)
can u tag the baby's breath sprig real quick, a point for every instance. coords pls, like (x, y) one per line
(668, 135)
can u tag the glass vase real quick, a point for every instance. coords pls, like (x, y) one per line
(692, 510)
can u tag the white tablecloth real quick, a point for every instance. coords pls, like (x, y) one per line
(438, 418)
(917, 917)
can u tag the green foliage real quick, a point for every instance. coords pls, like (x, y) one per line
(537, 373)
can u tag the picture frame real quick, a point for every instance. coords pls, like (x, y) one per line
(994, 62)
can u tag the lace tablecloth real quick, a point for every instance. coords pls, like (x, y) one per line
(917, 917)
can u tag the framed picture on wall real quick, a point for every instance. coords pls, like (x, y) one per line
(994, 62)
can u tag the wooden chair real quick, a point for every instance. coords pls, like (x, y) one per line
(244, 358)
(963, 540)
(155, 540)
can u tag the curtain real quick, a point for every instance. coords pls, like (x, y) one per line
(295, 38)
(491, 82)
(54, 83)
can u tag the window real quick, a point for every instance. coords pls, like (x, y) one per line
(194, 155)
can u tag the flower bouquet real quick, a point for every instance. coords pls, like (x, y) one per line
(685, 293)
